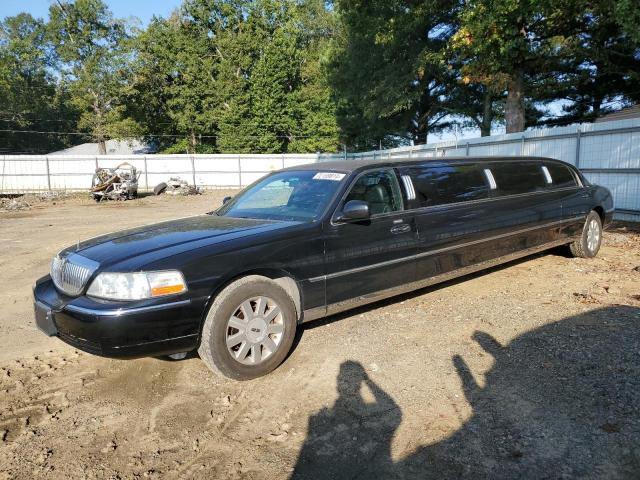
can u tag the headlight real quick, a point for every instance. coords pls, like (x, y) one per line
(137, 286)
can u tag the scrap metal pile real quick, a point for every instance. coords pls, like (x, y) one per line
(177, 186)
(119, 183)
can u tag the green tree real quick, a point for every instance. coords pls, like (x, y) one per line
(600, 68)
(275, 98)
(30, 98)
(238, 46)
(478, 106)
(152, 73)
(191, 95)
(627, 15)
(506, 44)
(91, 48)
(236, 76)
(388, 70)
(582, 53)
(312, 103)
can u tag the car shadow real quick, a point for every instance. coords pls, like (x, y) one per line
(561, 401)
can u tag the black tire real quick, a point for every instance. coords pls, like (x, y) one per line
(160, 188)
(213, 344)
(583, 247)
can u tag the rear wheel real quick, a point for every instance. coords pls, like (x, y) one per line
(588, 245)
(249, 329)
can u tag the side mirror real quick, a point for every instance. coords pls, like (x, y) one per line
(226, 199)
(355, 210)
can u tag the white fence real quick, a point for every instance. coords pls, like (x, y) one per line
(32, 173)
(608, 153)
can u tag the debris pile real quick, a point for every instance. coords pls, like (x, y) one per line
(177, 186)
(14, 204)
(19, 202)
(119, 183)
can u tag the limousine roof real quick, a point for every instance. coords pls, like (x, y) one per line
(348, 166)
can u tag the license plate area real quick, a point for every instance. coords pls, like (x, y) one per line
(44, 319)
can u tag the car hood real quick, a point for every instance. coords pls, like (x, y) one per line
(119, 246)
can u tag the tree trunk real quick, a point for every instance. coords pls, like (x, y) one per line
(487, 114)
(420, 138)
(193, 142)
(596, 108)
(514, 109)
(98, 129)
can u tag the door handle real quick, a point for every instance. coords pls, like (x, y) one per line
(400, 229)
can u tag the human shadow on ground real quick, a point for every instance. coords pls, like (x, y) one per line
(561, 401)
(354, 436)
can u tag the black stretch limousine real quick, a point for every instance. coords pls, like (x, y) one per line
(306, 242)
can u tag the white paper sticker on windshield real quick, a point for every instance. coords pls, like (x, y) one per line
(333, 176)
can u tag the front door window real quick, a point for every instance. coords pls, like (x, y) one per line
(380, 190)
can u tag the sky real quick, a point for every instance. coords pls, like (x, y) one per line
(143, 9)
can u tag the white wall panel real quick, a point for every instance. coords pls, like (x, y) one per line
(620, 150)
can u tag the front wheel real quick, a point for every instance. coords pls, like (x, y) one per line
(588, 245)
(249, 329)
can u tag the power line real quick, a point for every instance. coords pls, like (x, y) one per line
(63, 119)
(38, 120)
(43, 132)
(233, 124)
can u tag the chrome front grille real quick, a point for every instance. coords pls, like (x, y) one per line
(71, 272)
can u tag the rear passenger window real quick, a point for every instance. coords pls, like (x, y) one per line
(437, 183)
(561, 176)
(520, 177)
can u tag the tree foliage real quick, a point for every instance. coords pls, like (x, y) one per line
(543, 51)
(30, 99)
(237, 77)
(269, 76)
(599, 69)
(388, 70)
(93, 60)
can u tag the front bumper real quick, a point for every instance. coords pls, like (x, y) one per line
(122, 329)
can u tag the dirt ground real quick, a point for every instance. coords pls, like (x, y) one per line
(530, 370)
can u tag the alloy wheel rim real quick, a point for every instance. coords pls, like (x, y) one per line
(255, 330)
(593, 235)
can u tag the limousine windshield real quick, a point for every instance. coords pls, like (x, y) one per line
(289, 195)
